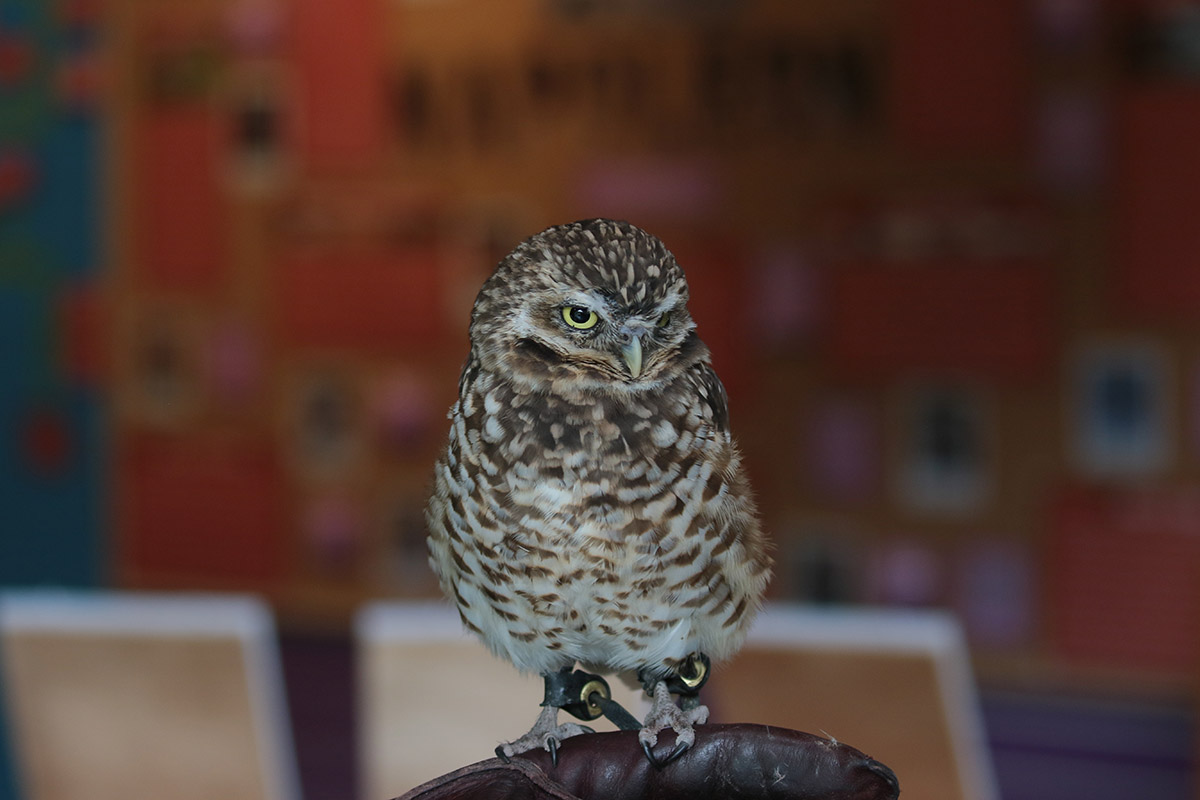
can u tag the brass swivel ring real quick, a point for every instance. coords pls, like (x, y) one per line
(587, 696)
(693, 672)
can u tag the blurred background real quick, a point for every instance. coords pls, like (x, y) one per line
(946, 254)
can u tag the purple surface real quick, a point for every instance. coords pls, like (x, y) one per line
(1063, 747)
(319, 671)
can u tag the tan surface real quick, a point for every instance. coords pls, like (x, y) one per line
(430, 708)
(886, 704)
(127, 716)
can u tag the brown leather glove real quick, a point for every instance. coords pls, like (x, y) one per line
(727, 761)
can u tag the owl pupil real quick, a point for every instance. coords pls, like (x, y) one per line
(580, 314)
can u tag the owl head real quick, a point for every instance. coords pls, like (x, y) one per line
(597, 302)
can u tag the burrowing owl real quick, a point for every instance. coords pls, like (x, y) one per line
(590, 506)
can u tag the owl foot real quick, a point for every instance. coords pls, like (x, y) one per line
(665, 714)
(546, 733)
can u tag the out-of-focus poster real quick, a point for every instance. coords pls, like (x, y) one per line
(946, 459)
(843, 451)
(1120, 409)
(996, 591)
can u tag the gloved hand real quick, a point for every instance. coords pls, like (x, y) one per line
(727, 761)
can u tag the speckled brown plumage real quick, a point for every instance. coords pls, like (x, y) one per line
(590, 506)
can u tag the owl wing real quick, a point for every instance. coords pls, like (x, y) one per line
(469, 372)
(711, 392)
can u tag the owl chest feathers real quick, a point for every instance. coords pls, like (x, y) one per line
(599, 468)
(618, 526)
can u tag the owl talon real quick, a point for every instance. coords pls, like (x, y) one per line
(680, 749)
(650, 754)
(546, 733)
(665, 714)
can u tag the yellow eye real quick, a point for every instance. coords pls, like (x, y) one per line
(663, 320)
(580, 317)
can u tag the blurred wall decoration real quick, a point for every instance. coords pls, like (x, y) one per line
(51, 295)
(944, 253)
(950, 286)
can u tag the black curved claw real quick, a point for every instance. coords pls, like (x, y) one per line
(680, 749)
(552, 746)
(500, 754)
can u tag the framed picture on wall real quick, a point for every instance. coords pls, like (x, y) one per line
(945, 459)
(1119, 409)
(820, 560)
(841, 450)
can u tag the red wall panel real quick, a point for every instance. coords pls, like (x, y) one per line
(180, 211)
(377, 301)
(959, 74)
(338, 53)
(1157, 202)
(987, 321)
(199, 507)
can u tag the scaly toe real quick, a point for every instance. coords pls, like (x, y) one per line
(665, 714)
(545, 734)
(697, 715)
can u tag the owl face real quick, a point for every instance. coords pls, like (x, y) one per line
(603, 333)
(598, 302)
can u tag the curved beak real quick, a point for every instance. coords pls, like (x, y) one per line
(631, 353)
